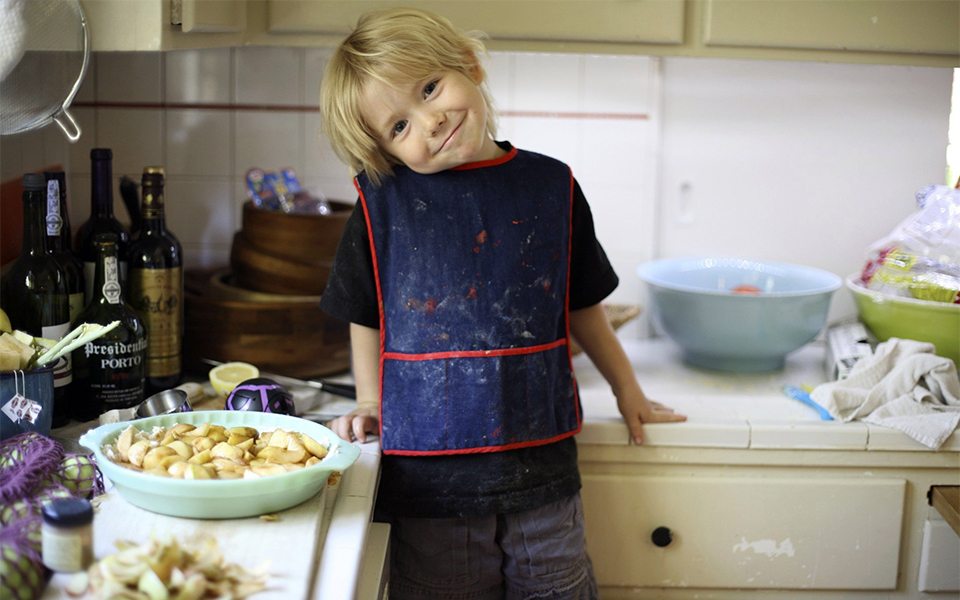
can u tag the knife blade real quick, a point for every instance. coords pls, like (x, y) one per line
(344, 390)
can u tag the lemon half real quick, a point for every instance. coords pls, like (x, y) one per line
(229, 375)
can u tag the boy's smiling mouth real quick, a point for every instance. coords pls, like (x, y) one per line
(453, 133)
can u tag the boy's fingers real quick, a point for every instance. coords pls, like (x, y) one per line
(635, 425)
(359, 429)
(661, 416)
(339, 427)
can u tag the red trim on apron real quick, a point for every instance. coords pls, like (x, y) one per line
(486, 449)
(475, 353)
(376, 271)
(487, 163)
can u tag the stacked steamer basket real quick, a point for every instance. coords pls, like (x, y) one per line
(264, 309)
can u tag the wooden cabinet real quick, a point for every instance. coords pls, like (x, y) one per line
(912, 32)
(888, 26)
(679, 523)
(151, 25)
(744, 532)
(625, 21)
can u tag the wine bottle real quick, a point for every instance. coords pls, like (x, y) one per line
(101, 220)
(35, 294)
(109, 371)
(156, 285)
(59, 238)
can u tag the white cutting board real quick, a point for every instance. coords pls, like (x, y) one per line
(290, 543)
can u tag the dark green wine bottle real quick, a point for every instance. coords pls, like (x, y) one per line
(35, 294)
(109, 371)
(101, 221)
(156, 285)
(59, 238)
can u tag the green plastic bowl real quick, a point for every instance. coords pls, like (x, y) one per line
(226, 499)
(909, 318)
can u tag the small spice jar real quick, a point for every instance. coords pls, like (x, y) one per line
(68, 535)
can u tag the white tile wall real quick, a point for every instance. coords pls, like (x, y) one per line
(804, 162)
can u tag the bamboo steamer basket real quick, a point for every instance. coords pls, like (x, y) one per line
(258, 269)
(287, 253)
(301, 237)
(279, 333)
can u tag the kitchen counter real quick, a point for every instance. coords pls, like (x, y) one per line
(346, 552)
(754, 494)
(765, 461)
(728, 410)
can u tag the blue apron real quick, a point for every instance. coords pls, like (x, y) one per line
(472, 269)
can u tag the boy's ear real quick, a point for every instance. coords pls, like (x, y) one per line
(476, 73)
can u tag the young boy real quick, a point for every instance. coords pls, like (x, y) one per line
(463, 271)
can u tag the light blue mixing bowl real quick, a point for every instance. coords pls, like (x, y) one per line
(694, 303)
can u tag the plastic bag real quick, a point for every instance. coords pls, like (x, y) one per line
(921, 256)
(282, 191)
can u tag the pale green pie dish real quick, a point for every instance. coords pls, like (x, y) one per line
(222, 499)
(909, 318)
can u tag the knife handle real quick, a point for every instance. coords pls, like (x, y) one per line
(339, 389)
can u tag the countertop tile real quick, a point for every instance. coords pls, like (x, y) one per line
(820, 435)
(699, 433)
(886, 438)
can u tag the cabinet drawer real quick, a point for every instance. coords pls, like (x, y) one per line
(744, 532)
(630, 21)
(928, 27)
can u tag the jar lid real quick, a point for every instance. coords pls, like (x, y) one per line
(68, 512)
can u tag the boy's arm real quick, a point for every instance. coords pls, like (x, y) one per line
(365, 349)
(590, 327)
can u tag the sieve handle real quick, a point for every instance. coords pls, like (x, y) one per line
(69, 126)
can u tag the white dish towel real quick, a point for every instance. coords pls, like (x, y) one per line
(903, 385)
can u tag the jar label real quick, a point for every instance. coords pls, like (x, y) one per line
(62, 552)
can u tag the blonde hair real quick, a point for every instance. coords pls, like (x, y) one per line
(396, 46)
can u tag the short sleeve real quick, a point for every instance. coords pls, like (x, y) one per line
(351, 292)
(592, 277)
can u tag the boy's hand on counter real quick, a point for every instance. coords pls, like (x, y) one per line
(637, 410)
(356, 424)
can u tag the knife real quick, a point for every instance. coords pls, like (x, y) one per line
(344, 390)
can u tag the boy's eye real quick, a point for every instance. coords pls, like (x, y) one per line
(398, 128)
(429, 88)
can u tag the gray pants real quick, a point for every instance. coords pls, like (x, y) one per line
(530, 555)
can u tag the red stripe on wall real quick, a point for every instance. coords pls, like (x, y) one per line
(313, 109)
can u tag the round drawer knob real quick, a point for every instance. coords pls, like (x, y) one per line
(661, 537)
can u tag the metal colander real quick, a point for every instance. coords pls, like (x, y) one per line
(42, 85)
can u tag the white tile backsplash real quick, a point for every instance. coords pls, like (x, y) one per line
(800, 162)
(129, 77)
(617, 84)
(320, 162)
(78, 154)
(199, 142)
(269, 140)
(201, 212)
(135, 135)
(314, 62)
(267, 75)
(548, 82)
(198, 76)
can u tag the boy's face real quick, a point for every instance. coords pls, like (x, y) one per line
(430, 125)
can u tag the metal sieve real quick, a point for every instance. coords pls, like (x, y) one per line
(41, 86)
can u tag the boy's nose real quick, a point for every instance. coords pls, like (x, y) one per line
(433, 122)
